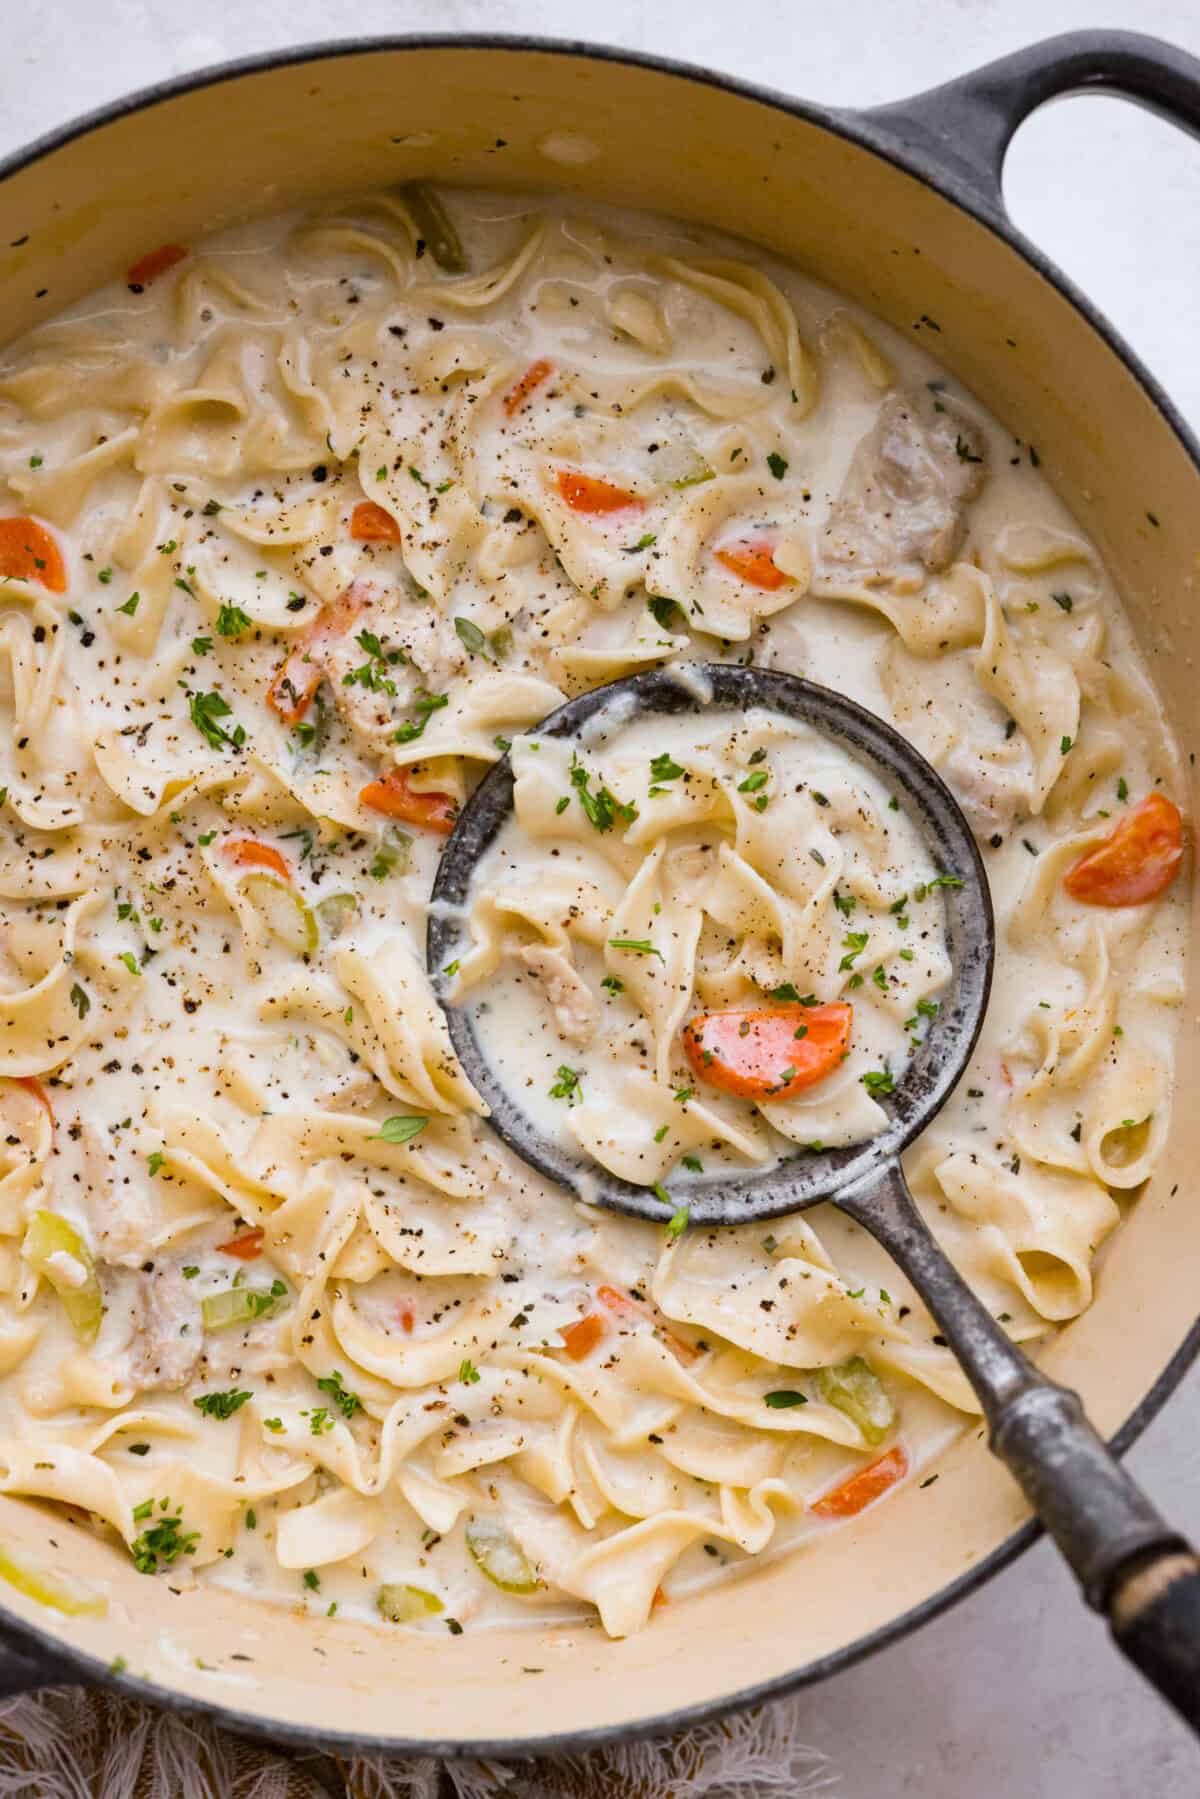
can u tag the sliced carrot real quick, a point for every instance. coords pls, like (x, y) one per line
(770, 1052)
(32, 1085)
(246, 1246)
(580, 1338)
(1137, 861)
(370, 523)
(865, 1487)
(29, 553)
(393, 796)
(247, 852)
(586, 493)
(297, 681)
(753, 561)
(407, 1317)
(155, 263)
(625, 1306)
(518, 395)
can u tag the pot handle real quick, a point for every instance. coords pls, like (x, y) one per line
(958, 134)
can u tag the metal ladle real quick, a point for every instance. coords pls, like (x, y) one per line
(1131, 1564)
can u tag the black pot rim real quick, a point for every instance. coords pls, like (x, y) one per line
(867, 133)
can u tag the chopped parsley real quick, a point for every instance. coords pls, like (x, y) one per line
(80, 1000)
(879, 1080)
(220, 1405)
(602, 808)
(131, 605)
(207, 709)
(232, 621)
(568, 1085)
(346, 1402)
(777, 465)
(426, 705)
(373, 673)
(154, 1162)
(638, 946)
(854, 943)
(473, 640)
(676, 1224)
(163, 1543)
(468, 1373)
(663, 768)
(783, 1397)
(663, 610)
(401, 1129)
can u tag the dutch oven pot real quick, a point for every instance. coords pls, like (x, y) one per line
(900, 208)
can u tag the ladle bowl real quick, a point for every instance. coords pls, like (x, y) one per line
(1130, 1563)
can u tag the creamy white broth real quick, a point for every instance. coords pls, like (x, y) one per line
(233, 1045)
(719, 861)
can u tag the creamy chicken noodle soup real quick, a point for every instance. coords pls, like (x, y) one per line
(302, 528)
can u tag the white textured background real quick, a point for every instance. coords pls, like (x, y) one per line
(1016, 1694)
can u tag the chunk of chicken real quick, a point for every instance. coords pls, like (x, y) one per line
(121, 1226)
(570, 998)
(168, 1330)
(906, 492)
(432, 657)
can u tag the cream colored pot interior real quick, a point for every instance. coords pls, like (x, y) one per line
(297, 134)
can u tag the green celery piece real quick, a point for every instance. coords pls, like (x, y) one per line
(853, 1388)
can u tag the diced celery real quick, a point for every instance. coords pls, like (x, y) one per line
(285, 914)
(48, 1589)
(337, 912)
(401, 1604)
(241, 1305)
(54, 1248)
(435, 226)
(498, 1557)
(854, 1388)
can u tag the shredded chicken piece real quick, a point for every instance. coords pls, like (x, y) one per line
(906, 492)
(570, 998)
(121, 1226)
(432, 658)
(168, 1331)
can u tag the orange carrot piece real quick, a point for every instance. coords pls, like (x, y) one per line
(247, 852)
(29, 553)
(580, 1338)
(865, 1487)
(303, 671)
(518, 395)
(155, 263)
(586, 493)
(406, 1315)
(771, 1052)
(753, 562)
(370, 523)
(393, 796)
(1137, 861)
(32, 1085)
(246, 1246)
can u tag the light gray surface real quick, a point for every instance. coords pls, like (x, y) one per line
(1016, 1694)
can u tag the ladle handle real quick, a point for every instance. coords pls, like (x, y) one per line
(1131, 1564)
